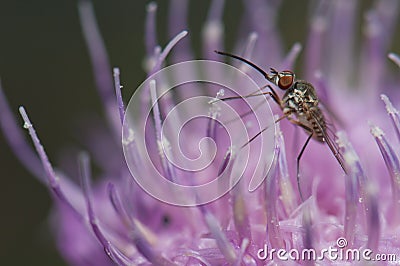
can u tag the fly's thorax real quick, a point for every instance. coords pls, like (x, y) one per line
(301, 103)
(300, 97)
(301, 91)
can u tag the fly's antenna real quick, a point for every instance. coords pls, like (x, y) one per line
(247, 62)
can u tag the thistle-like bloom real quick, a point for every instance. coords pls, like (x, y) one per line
(113, 220)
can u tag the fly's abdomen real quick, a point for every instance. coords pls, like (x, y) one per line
(309, 115)
(317, 120)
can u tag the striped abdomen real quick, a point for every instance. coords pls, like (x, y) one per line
(317, 120)
(301, 101)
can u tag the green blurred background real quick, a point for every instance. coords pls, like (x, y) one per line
(44, 65)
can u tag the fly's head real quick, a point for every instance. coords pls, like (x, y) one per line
(283, 79)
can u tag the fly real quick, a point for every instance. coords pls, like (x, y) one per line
(300, 105)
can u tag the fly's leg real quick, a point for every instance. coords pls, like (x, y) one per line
(332, 146)
(244, 114)
(261, 131)
(254, 93)
(254, 137)
(307, 129)
(271, 93)
(298, 165)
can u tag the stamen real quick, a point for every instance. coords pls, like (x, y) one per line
(130, 147)
(245, 243)
(216, 10)
(159, 61)
(212, 255)
(213, 37)
(321, 84)
(355, 185)
(262, 16)
(213, 29)
(394, 114)
(16, 140)
(313, 53)
(248, 50)
(157, 53)
(307, 225)
(225, 173)
(163, 144)
(151, 60)
(223, 244)
(240, 214)
(197, 256)
(374, 224)
(130, 138)
(118, 87)
(100, 63)
(141, 236)
(287, 191)
(381, 21)
(393, 166)
(113, 252)
(291, 57)
(388, 12)
(167, 50)
(151, 29)
(144, 240)
(53, 179)
(117, 204)
(271, 201)
(342, 28)
(177, 21)
(226, 161)
(395, 58)
(156, 110)
(214, 112)
(157, 65)
(372, 54)
(352, 200)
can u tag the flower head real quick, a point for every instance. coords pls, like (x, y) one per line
(187, 136)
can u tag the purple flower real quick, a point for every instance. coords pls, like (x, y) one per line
(115, 220)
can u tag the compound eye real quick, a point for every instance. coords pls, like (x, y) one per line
(286, 80)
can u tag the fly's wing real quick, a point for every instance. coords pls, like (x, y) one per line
(333, 116)
(330, 139)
